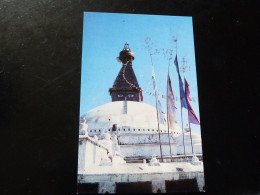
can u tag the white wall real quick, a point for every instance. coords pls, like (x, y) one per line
(144, 138)
(90, 153)
(81, 155)
(188, 149)
(147, 150)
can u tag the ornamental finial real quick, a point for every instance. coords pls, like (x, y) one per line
(126, 47)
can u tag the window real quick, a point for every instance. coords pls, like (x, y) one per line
(90, 130)
(128, 129)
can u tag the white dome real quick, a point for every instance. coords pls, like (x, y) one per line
(195, 138)
(126, 115)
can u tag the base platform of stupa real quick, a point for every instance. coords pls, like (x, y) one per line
(156, 178)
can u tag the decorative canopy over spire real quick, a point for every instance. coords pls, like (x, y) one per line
(121, 89)
(126, 55)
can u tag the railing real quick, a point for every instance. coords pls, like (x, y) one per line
(178, 158)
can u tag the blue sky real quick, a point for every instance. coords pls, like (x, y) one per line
(104, 36)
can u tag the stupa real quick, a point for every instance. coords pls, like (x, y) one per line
(118, 138)
(130, 119)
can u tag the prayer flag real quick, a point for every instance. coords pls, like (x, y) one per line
(170, 104)
(192, 116)
(141, 95)
(159, 106)
(182, 94)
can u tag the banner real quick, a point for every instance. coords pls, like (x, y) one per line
(182, 94)
(170, 105)
(158, 103)
(192, 116)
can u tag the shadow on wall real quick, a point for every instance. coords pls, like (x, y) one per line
(134, 187)
(186, 185)
(88, 188)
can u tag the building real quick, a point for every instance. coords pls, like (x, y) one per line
(124, 135)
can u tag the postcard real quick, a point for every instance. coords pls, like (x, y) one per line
(139, 123)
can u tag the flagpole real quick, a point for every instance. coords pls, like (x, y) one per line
(175, 40)
(156, 95)
(190, 134)
(189, 119)
(156, 99)
(184, 70)
(168, 116)
(182, 133)
(159, 128)
(190, 111)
